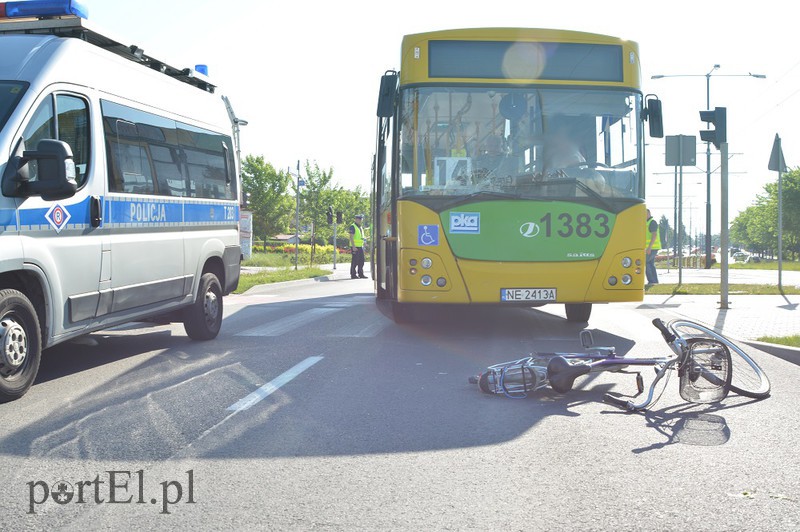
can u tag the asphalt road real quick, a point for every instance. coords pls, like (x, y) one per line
(313, 411)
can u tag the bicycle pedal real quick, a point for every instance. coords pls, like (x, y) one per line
(639, 383)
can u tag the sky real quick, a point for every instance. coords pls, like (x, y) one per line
(305, 74)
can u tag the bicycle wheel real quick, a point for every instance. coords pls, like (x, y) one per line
(748, 378)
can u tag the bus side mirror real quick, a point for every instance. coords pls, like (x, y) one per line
(387, 95)
(652, 113)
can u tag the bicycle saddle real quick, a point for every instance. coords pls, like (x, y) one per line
(562, 374)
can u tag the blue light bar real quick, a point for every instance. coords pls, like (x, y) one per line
(45, 8)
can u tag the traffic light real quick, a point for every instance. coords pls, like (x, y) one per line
(717, 118)
(330, 215)
(338, 217)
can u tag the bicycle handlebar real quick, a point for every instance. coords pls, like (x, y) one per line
(668, 336)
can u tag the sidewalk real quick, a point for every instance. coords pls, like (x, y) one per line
(747, 317)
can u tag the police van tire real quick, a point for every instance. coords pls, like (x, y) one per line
(21, 344)
(203, 320)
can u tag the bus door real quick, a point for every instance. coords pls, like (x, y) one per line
(384, 262)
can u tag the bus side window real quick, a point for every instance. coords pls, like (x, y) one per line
(70, 115)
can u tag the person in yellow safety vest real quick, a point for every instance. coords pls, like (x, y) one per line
(652, 244)
(357, 248)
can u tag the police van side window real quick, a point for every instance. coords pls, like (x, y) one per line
(72, 124)
(151, 154)
(61, 117)
(129, 163)
(208, 162)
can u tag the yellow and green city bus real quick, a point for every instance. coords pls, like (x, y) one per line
(509, 170)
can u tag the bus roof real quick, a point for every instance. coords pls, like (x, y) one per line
(592, 55)
(522, 34)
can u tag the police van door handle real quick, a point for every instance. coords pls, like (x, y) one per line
(96, 211)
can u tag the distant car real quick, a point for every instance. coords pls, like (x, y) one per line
(664, 254)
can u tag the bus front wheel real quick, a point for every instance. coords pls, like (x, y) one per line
(578, 312)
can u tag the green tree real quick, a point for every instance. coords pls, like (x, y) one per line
(350, 203)
(315, 198)
(756, 228)
(266, 196)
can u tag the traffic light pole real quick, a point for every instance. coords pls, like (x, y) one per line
(708, 173)
(723, 234)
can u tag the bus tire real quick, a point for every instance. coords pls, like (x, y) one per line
(21, 344)
(203, 320)
(578, 312)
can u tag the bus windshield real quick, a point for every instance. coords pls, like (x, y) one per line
(521, 142)
(10, 93)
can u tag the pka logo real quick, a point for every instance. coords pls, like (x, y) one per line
(465, 222)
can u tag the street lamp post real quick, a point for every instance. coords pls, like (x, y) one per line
(708, 144)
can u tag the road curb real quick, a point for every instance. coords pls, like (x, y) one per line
(785, 352)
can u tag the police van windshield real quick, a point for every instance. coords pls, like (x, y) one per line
(522, 142)
(10, 93)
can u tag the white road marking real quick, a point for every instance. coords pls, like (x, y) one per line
(368, 328)
(273, 385)
(283, 325)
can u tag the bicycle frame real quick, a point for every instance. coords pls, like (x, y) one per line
(516, 378)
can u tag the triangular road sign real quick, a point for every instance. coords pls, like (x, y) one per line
(776, 162)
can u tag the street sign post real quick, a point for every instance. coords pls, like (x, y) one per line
(681, 151)
(777, 164)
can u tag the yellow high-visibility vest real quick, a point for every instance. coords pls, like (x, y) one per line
(358, 237)
(657, 241)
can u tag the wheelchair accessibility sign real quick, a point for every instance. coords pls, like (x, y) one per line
(427, 235)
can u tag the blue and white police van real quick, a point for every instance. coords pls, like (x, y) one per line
(119, 188)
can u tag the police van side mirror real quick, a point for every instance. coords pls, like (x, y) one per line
(55, 172)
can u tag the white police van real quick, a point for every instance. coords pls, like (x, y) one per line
(119, 188)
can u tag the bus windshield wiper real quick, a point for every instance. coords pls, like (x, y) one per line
(481, 194)
(578, 184)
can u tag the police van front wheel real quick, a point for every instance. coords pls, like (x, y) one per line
(21, 345)
(203, 320)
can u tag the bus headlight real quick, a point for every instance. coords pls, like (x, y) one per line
(413, 262)
(612, 281)
(441, 282)
(626, 279)
(426, 280)
(413, 271)
(426, 263)
(626, 262)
